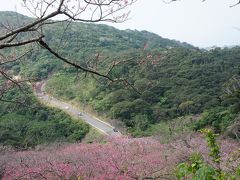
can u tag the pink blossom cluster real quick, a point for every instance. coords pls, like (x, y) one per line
(118, 158)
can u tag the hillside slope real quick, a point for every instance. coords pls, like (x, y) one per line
(169, 78)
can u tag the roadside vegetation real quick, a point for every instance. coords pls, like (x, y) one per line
(25, 123)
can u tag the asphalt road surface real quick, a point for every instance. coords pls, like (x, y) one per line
(103, 127)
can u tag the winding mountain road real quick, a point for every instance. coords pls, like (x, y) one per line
(102, 126)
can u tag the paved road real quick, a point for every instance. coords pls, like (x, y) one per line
(104, 127)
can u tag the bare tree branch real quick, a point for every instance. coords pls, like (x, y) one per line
(235, 4)
(44, 10)
(44, 45)
(15, 59)
(6, 45)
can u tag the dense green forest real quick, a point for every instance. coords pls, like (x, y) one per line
(183, 82)
(24, 122)
(168, 79)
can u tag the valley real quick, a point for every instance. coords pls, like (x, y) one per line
(172, 109)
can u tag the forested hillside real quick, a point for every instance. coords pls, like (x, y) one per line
(166, 79)
(168, 84)
(81, 42)
(24, 122)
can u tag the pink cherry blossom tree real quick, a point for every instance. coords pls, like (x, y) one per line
(118, 158)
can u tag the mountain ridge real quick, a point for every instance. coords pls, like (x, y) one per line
(17, 18)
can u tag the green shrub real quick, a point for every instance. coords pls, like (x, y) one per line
(218, 118)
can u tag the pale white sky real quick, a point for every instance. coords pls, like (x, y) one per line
(199, 23)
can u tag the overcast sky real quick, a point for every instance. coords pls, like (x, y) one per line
(199, 23)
